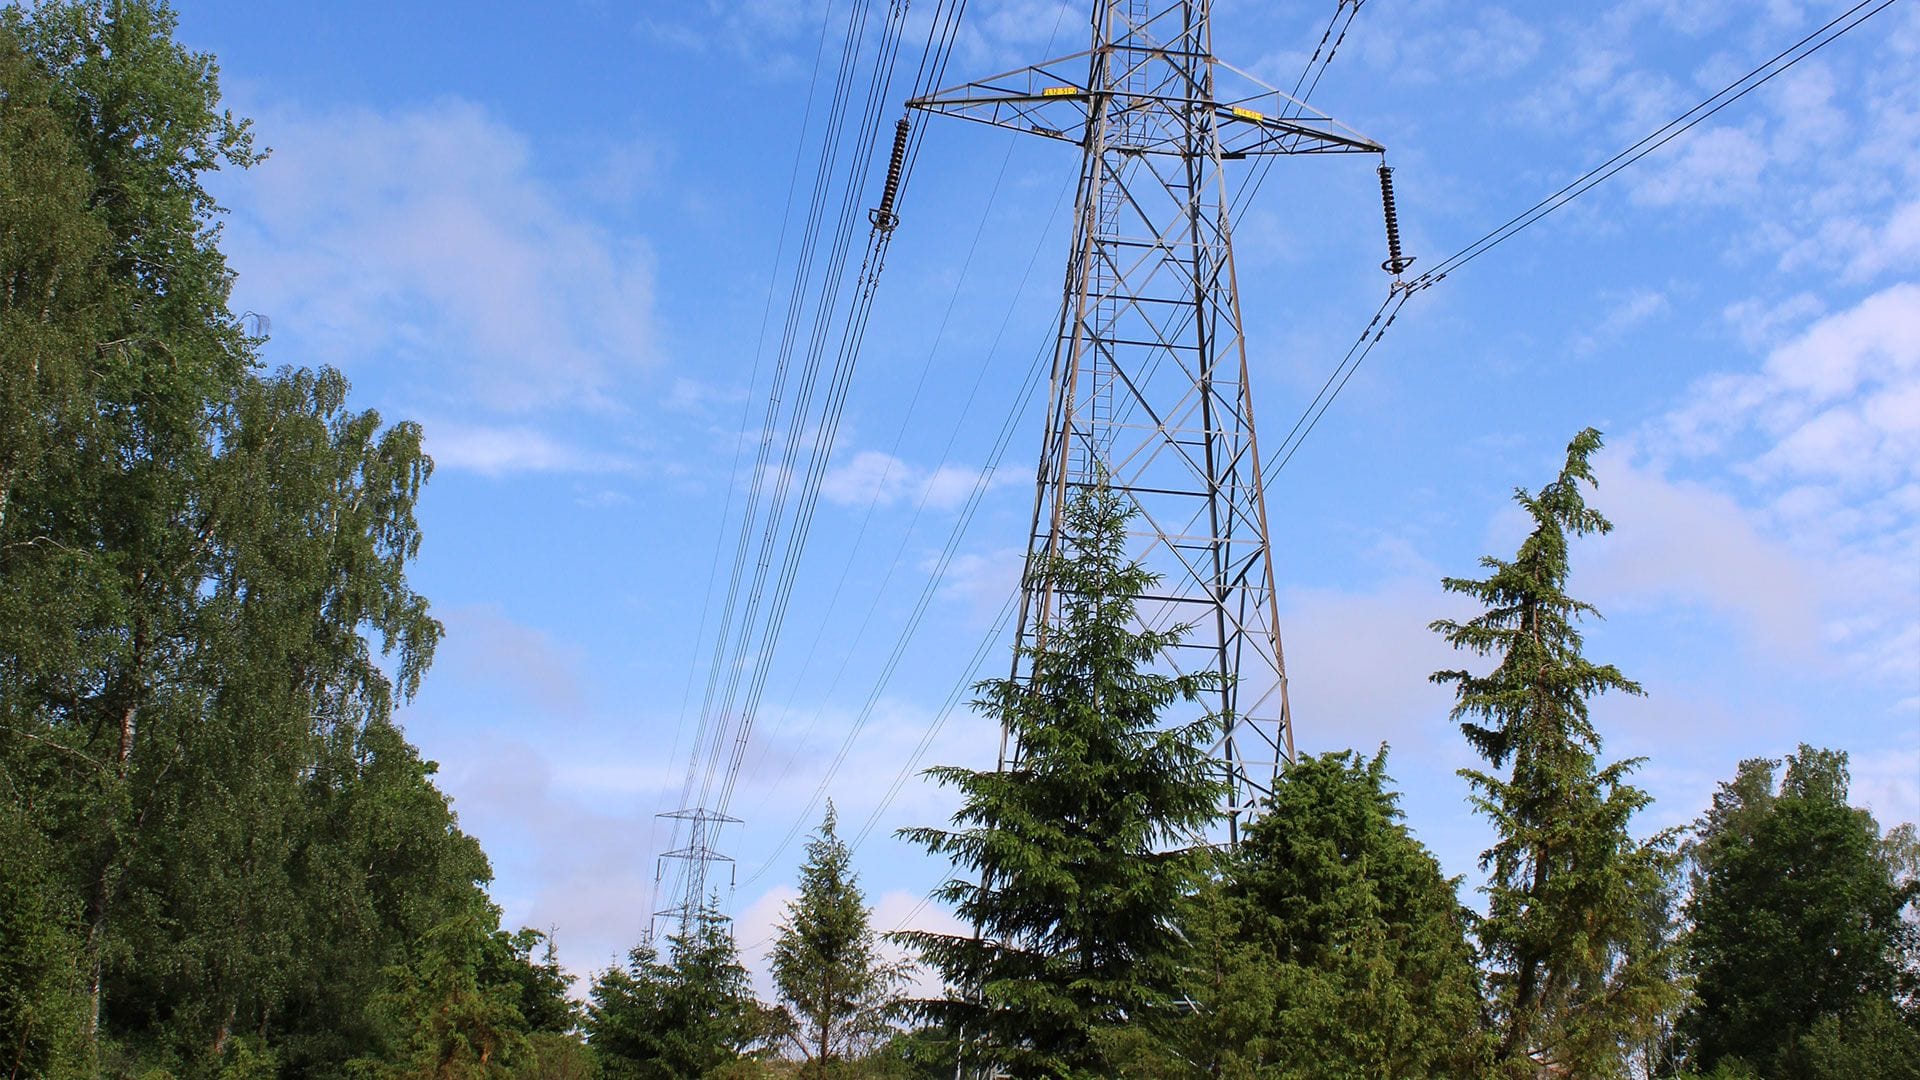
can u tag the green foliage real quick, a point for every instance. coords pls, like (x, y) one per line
(924, 1053)
(1798, 942)
(1078, 895)
(1871, 1038)
(1331, 947)
(541, 986)
(553, 1055)
(247, 1059)
(440, 1021)
(826, 963)
(688, 1017)
(40, 993)
(214, 844)
(1573, 969)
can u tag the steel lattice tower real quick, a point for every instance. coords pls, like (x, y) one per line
(1149, 387)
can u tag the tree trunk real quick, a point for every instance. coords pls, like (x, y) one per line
(110, 868)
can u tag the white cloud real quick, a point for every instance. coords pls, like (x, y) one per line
(1429, 44)
(1874, 346)
(1826, 437)
(1626, 313)
(424, 242)
(502, 450)
(982, 580)
(1894, 245)
(1765, 322)
(568, 855)
(1720, 165)
(484, 646)
(1681, 541)
(1358, 665)
(874, 477)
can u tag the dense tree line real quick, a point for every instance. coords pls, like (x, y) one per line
(220, 857)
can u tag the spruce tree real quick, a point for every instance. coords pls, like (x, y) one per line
(686, 1018)
(1332, 947)
(1572, 972)
(1076, 857)
(826, 964)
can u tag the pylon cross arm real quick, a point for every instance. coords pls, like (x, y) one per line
(1055, 100)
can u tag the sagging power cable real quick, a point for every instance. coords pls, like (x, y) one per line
(1397, 297)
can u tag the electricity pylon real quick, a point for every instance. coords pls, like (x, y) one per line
(1149, 389)
(698, 854)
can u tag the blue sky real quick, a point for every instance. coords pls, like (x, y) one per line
(551, 237)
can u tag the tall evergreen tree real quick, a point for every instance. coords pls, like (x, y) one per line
(826, 962)
(441, 1020)
(682, 1019)
(1333, 947)
(1082, 846)
(1796, 914)
(1573, 975)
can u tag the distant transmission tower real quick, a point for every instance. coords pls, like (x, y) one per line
(1149, 387)
(698, 854)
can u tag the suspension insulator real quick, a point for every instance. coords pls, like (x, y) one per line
(1396, 263)
(883, 217)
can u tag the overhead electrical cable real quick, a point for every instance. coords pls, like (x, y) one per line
(1320, 60)
(803, 268)
(739, 611)
(782, 539)
(1673, 129)
(778, 520)
(1781, 62)
(1388, 311)
(880, 591)
(921, 605)
(928, 80)
(753, 378)
(1384, 317)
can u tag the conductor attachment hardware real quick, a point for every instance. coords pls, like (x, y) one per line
(883, 217)
(1396, 263)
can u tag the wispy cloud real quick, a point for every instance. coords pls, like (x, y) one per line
(1625, 313)
(423, 242)
(881, 479)
(503, 450)
(1825, 439)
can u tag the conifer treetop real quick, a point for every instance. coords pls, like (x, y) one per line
(1532, 624)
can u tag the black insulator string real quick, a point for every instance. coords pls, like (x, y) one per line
(1396, 263)
(1397, 297)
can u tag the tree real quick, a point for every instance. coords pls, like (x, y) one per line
(39, 978)
(1574, 975)
(442, 1022)
(1332, 946)
(826, 963)
(1797, 928)
(1081, 846)
(214, 841)
(682, 1019)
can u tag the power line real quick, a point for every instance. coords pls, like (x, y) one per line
(1659, 137)
(757, 599)
(1388, 311)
